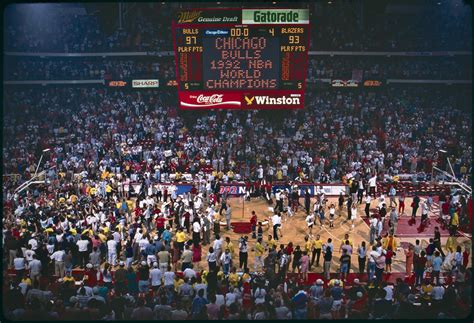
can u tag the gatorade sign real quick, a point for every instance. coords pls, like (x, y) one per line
(275, 16)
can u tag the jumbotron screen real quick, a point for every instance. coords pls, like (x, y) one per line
(241, 59)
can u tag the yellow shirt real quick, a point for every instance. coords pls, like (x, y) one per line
(108, 188)
(455, 219)
(229, 246)
(49, 230)
(272, 243)
(104, 175)
(318, 244)
(92, 191)
(73, 198)
(130, 204)
(426, 289)
(87, 231)
(102, 237)
(180, 236)
(386, 241)
(230, 174)
(245, 277)
(234, 279)
(26, 281)
(68, 279)
(307, 246)
(279, 174)
(259, 249)
(177, 284)
(62, 200)
(73, 231)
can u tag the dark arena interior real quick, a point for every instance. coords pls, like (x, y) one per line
(240, 160)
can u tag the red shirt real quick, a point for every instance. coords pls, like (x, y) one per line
(253, 220)
(160, 222)
(465, 258)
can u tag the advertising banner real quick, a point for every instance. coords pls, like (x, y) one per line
(145, 83)
(209, 17)
(275, 16)
(344, 83)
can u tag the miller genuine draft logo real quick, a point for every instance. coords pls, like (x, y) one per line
(188, 16)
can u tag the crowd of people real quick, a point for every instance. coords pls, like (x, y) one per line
(430, 28)
(140, 256)
(394, 131)
(88, 69)
(130, 239)
(320, 67)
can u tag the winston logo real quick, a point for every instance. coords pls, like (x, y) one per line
(249, 101)
(188, 16)
(268, 100)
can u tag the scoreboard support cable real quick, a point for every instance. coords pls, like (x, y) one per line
(241, 58)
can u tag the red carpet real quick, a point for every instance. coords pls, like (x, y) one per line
(390, 278)
(407, 227)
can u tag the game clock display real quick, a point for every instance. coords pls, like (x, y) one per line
(241, 59)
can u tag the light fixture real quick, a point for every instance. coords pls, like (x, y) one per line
(329, 2)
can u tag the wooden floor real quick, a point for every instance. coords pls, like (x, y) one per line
(294, 229)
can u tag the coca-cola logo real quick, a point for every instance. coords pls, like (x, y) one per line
(209, 100)
(215, 98)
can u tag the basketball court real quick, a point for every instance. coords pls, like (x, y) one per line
(294, 230)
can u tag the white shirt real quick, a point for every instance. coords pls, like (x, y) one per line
(437, 293)
(58, 255)
(19, 263)
(33, 243)
(217, 245)
(82, 245)
(372, 181)
(368, 199)
(276, 219)
(373, 255)
(226, 258)
(29, 255)
(189, 273)
(220, 300)
(310, 219)
(259, 295)
(229, 298)
(155, 277)
(142, 244)
(112, 245)
(196, 227)
(169, 278)
(211, 257)
(354, 213)
(389, 291)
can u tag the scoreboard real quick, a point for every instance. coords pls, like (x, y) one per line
(241, 58)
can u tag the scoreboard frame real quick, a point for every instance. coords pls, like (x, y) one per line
(244, 99)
